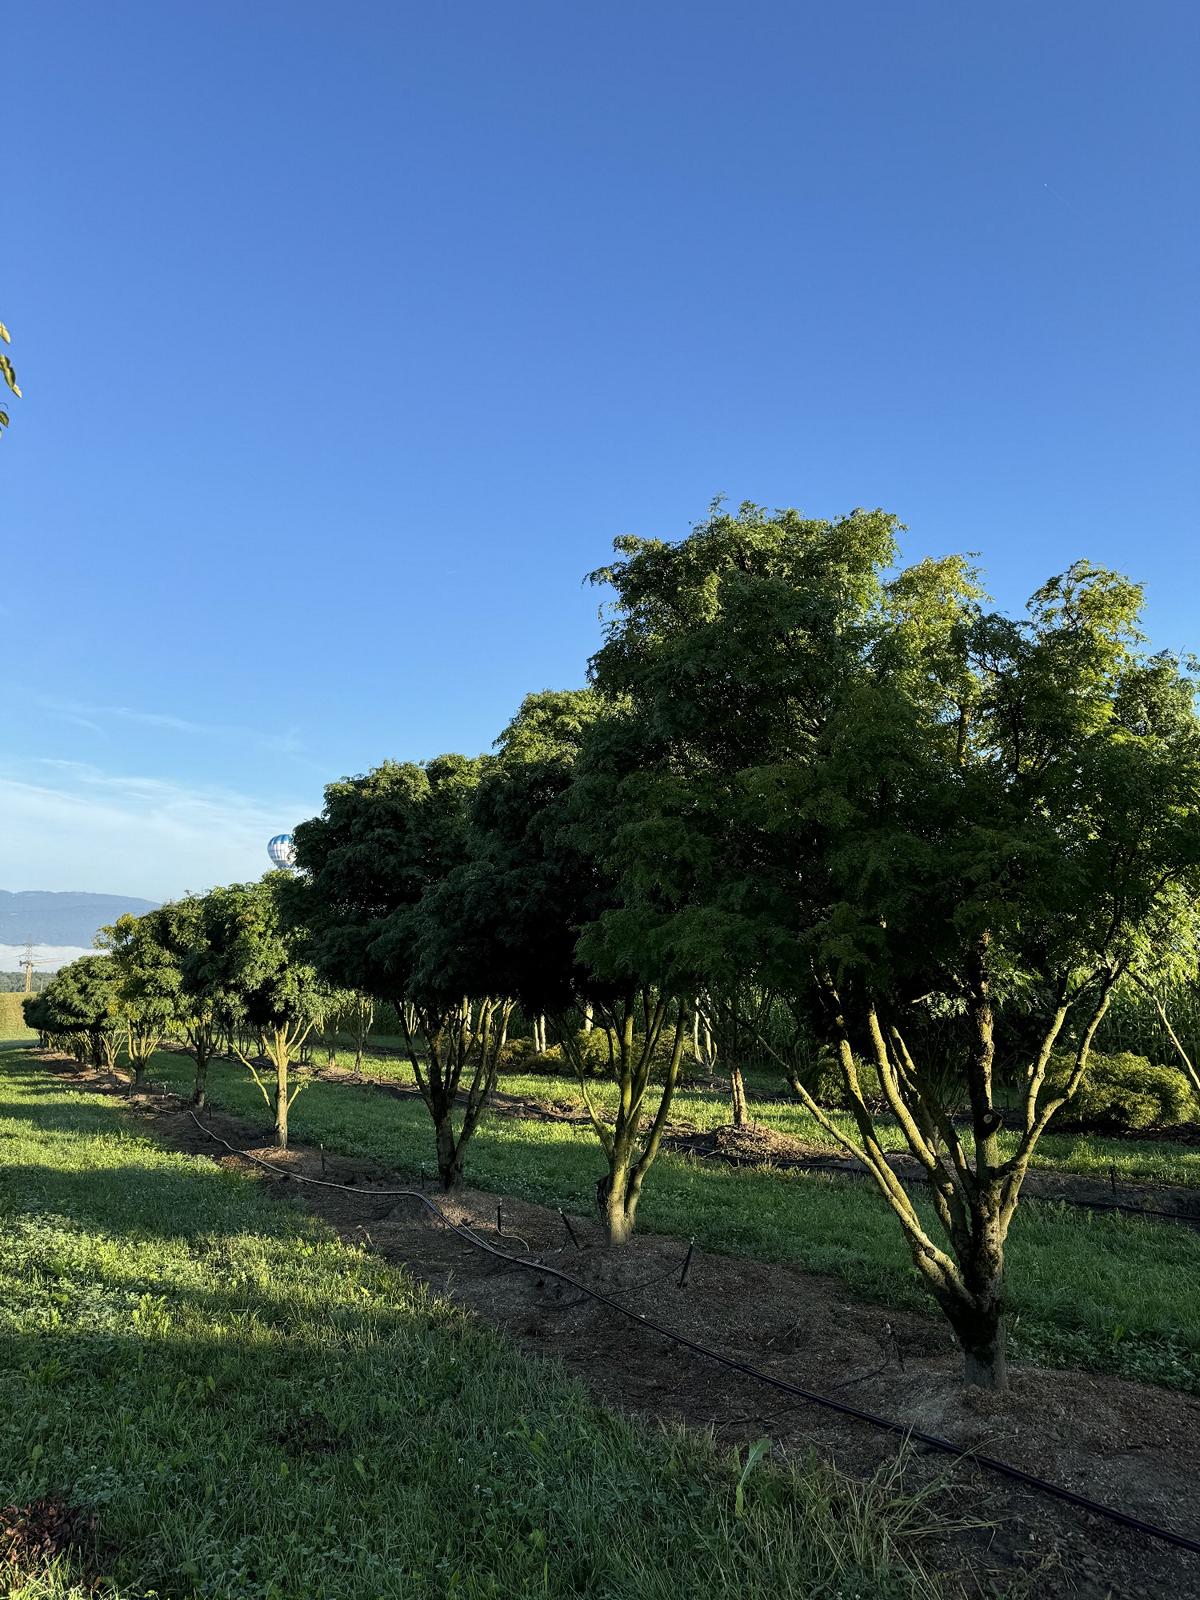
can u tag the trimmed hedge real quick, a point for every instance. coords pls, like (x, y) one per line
(1121, 1093)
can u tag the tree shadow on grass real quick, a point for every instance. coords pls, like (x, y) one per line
(179, 1197)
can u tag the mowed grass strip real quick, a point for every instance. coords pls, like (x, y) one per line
(1131, 1160)
(1108, 1293)
(253, 1409)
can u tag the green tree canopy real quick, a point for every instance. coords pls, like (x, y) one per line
(380, 843)
(897, 809)
(81, 1002)
(179, 927)
(372, 895)
(148, 984)
(251, 962)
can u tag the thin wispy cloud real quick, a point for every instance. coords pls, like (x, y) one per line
(285, 744)
(92, 717)
(80, 722)
(69, 825)
(146, 719)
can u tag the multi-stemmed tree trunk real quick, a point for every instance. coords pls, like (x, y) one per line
(105, 1048)
(629, 1148)
(737, 1094)
(201, 1033)
(281, 1044)
(362, 1015)
(974, 1195)
(140, 1044)
(462, 1043)
(723, 1031)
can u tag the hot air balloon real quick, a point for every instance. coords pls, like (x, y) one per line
(282, 851)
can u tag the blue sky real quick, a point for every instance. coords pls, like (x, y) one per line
(351, 336)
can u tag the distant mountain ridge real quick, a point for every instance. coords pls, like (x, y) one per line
(40, 916)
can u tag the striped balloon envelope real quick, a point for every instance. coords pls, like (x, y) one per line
(282, 851)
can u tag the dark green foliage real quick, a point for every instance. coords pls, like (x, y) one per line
(397, 904)
(249, 966)
(532, 881)
(515, 1055)
(908, 816)
(252, 955)
(597, 1055)
(381, 844)
(149, 979)
(81, 1009)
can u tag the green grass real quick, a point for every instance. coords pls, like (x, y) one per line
(12, 1019)
(1133, 1160)
(1111, 1293)
(253, 1409)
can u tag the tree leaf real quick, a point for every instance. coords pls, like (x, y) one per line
(10, 376)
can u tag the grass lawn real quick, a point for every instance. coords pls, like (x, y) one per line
(1133, 1160)
(253, 1409)
(1111, 1293)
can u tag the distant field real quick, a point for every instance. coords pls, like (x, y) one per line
(12, 1019)
(255, 1411)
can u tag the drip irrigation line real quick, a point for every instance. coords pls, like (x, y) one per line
(931, 1441)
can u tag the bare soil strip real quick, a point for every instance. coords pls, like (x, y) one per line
(1131, 1445)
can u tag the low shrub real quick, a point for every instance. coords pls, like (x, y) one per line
(1124, 1094)
(518, 1055)
(514, 1055)
(823, 1080)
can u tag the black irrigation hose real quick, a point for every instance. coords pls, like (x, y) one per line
(931, 1441)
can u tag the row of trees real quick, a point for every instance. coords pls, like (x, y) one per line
(810, 799)
(223, 972)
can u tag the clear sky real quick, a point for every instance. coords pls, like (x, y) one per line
(352, 334)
